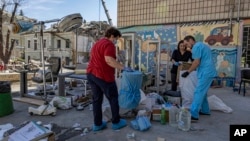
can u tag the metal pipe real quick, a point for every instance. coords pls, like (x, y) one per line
(42, 55)
(77, 59)
(231, 16)
(139, 59)
(238, 13)
(158, 67)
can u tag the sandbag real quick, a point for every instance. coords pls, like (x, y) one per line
(129, 93)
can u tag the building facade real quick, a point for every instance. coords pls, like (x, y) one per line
(146, 12)
(222, 24)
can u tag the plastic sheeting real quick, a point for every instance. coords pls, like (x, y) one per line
(187, 86)
(215, 103)
(129, 93)
(5, 87)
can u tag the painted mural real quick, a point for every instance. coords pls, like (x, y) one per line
(166, 35)
(214, 35)
(222, 42)
(225, 61)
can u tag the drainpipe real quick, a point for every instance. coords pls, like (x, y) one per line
(238, 12)
(232, 2)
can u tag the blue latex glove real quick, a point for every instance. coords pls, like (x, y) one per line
(176, 63)
(127, 69)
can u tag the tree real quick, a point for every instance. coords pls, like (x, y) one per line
(6, 46)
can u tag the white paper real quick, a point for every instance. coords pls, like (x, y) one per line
(27, 133)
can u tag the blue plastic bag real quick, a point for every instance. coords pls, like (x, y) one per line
(129, 94)
(141, 123)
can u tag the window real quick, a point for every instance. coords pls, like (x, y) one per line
(67, 43)
(58, 43)
(35, 44)
(28, 43)
(246, 47)
(44, 43)
(17, 42)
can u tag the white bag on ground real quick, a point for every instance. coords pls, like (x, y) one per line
(187, 86)
(217, 104)
(61, 102)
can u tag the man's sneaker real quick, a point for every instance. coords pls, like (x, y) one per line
(208, 114)
(122, 123)
(101, 127)
(193, 119)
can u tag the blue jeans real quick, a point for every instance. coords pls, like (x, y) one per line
(100, 87)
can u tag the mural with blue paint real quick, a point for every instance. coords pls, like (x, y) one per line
(225, 61)
(166, 34)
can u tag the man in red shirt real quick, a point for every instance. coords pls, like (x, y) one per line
(101, 77)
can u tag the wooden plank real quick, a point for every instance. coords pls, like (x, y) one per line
(29, 100)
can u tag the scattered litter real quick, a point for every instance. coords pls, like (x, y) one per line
(4, 128)
(80, 108)
(39, 123)
(76, 125)
(83, 134)
(78, 129)
(131, 135)
(48, 126)
(160, 139)
(196, 129)
(61, 102)
(91, 107)
(86, 130)
(46, 109)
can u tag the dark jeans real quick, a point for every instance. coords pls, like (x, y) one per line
(173, 81)
(100, 87)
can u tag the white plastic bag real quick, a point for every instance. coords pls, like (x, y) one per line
(217, 104)
(61, 102)
(187, 86)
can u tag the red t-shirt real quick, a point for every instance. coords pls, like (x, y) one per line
(97, 64)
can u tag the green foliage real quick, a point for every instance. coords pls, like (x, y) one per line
(199, 37)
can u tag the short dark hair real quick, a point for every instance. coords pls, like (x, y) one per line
(187, 38)
(112, 31)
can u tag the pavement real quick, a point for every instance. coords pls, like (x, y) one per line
(209, 128)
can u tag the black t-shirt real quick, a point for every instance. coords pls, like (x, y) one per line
(177, 56)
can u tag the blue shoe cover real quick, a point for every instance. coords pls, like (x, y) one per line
(122, 123)
(101, 127)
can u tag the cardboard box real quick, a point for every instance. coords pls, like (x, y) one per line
(156, 114)
(183, 66)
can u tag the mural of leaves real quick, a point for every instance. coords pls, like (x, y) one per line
(199, 37)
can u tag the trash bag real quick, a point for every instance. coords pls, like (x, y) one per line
(129, 93)
(215, 103)
(172, 93)
(61, 102)
(187, 86)
(5, 87)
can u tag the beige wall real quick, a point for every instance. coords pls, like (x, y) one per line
(144, 12)
(51, 43)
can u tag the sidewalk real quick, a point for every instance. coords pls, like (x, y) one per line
(209, 128)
